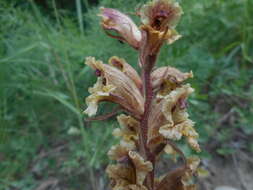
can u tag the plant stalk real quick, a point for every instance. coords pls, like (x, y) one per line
(148, 94)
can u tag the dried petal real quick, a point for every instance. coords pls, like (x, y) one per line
(160, 14)
(123, 66)
(142, 167)
(113, 19)
(123, 90)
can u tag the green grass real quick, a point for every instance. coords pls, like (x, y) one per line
(44, 82)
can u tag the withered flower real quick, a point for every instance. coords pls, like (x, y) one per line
(154, 105)
(113, 19)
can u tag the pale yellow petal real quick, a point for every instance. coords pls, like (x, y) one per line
(98, 92)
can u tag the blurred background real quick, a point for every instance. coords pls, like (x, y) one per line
(45, 143)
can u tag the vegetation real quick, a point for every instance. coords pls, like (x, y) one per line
(44, 81)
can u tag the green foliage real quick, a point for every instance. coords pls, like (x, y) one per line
(43, 84)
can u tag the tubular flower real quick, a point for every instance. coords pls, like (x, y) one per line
(122, 89)
(154, 105)
(113, 19)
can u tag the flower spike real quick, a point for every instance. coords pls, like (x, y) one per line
(154, 103)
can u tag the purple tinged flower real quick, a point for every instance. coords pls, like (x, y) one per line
(161, 14)
(113, 19)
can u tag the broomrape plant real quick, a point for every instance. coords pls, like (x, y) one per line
(155, 103)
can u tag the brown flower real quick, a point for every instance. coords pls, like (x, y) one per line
(114, 86)
(169, 119)
(113, 19)
(159, 19)
(161, 14)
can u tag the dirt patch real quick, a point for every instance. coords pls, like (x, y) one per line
(234, 171)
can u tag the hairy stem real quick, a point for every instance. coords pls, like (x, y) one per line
(148, 94)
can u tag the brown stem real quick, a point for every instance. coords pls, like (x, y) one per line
(148, 94)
